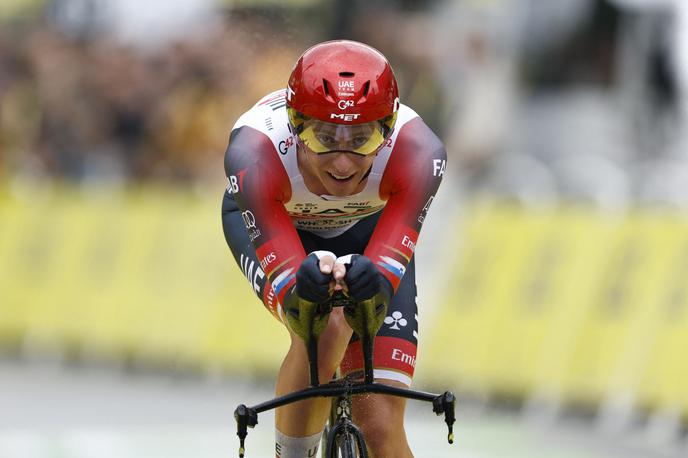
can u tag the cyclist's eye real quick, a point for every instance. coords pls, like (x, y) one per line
(326, 139)
(359, 141)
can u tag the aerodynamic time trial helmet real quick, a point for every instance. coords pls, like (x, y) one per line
(342, 96)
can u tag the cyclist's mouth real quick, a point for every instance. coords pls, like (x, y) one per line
(341, 178)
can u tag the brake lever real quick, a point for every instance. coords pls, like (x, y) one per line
(445, 404)
(245, 418)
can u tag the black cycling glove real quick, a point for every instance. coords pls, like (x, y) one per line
(311, 284)
(371, 291)
(364, 280)
(302, 301)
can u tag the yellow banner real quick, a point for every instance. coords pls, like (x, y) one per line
(141, 275)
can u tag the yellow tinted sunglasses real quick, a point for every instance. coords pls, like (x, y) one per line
(325, 137)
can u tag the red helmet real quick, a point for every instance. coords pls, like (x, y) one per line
(343, 82)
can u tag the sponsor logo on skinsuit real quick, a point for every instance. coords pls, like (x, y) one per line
(408, 243)
(424, 212)
(267, 260)
(398, 355)
(249, 219)
(250, 223)
(253, 276)
(396, 319)
(236, 182)
(284, 145)
(438, 167)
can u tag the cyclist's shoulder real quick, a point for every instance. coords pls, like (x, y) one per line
(406, 114)
(413, 134)
(268, 115)
(263, 129)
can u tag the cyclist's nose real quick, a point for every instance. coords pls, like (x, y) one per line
(343, 162)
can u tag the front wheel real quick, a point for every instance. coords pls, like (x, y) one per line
(345, 440)
(348, 446)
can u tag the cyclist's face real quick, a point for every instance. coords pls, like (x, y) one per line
(340, 173)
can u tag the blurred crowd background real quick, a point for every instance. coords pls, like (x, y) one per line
(537, 101)
(561, 226)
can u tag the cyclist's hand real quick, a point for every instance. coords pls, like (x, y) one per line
(313, 287)
(363, 280)
(328, 265)
(371, 291)
(314, 276)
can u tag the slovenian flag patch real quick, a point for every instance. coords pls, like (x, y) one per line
(392, 265)
(283, 280)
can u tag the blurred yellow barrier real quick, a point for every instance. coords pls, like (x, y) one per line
(614, 308)
(475, 319)
(570, 304)
(142, 275)
(663, 375)
(581, 243)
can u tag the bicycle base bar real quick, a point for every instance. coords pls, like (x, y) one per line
(441, 403)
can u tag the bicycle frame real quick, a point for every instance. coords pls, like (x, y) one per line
(247, 417)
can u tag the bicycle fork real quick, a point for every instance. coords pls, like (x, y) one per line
(343, 426)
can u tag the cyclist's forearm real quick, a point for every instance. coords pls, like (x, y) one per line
(420, 154)
(259, 186)
(242, 249)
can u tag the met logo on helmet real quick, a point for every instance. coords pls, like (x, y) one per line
(345, 117)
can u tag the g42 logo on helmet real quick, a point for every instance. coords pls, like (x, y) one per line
(344, 104)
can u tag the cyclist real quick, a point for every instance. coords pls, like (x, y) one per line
(330, 181)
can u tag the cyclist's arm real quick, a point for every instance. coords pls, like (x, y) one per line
(409, 184)
(260, 186)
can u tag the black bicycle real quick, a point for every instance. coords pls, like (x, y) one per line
(342, 438)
